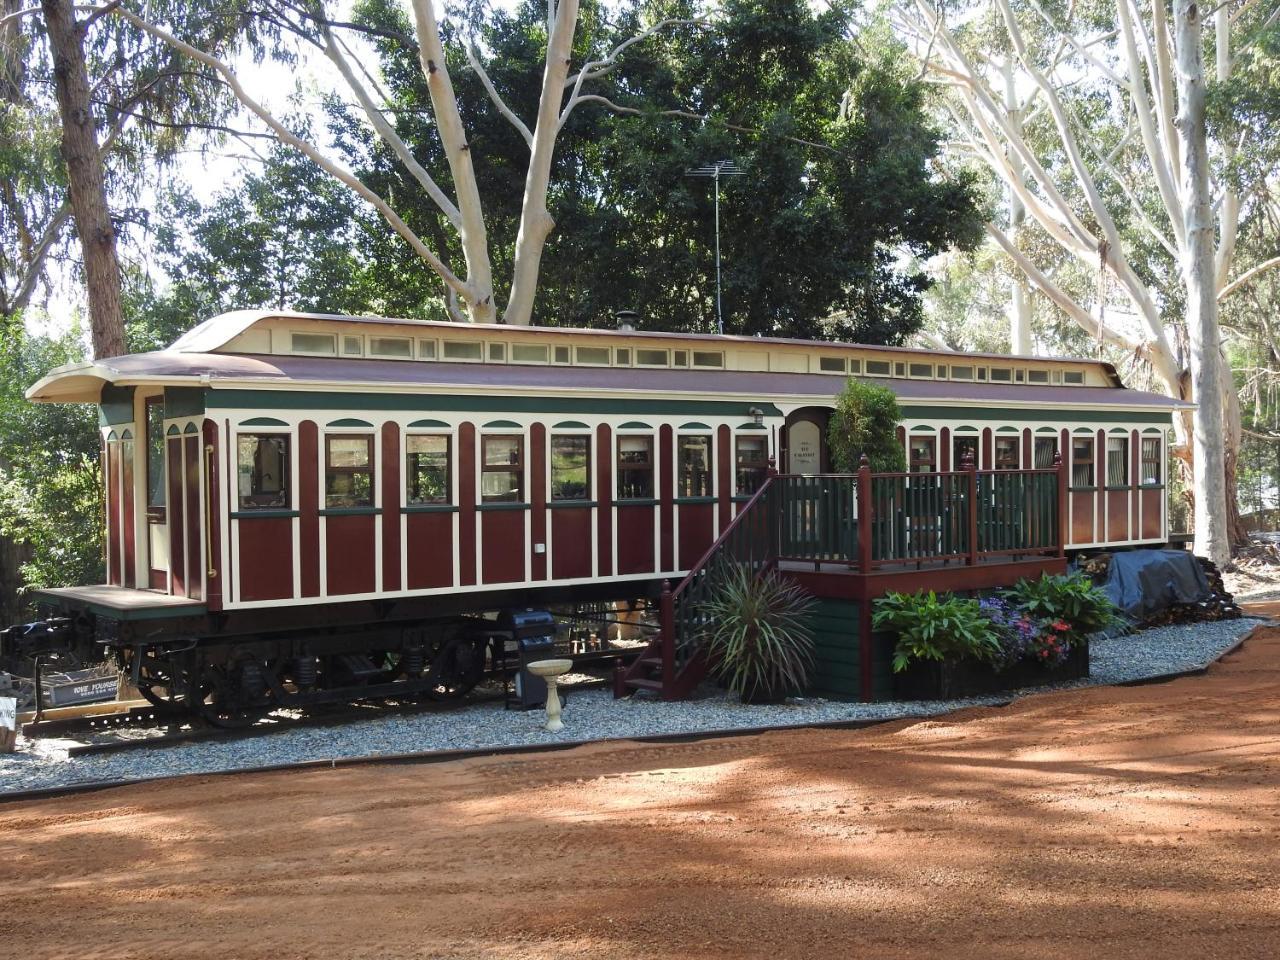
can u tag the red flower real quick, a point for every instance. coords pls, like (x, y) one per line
(1061, 625)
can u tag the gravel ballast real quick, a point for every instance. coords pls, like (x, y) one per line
(588, 715)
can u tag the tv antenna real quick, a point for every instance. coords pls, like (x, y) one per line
(715, 171)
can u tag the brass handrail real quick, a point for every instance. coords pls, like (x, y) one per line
(210, 569)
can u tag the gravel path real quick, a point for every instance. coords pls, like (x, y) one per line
(589, 715)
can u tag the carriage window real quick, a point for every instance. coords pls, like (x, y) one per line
(921, 369)
(529, 353)
(680, 358)
(962, 373)
(651, 358)
(426, 469)
(1073, 376)
(1046, 449)
(635, 468)
(570, 468)
(348, 472)
(502, 470)
(1037, 376)
(695, 467)
(398, 347)
(262, 471)
(706, 359)
(155, 456)
(1151, 470)
(595, 356)
(1007, 453)
(962, 448)
(831, 364)
(1082, 462)
(322, 343)
(1117, 461)
(752, 464)
(1001, 374)
(855, 366)
(923, 455)
(878, 368)
(463, 350)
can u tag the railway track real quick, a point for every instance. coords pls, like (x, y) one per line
(147, 728)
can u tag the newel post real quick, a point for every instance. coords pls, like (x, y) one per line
(970, 467)
(667, 611)
(864, 514)
(1060, 465)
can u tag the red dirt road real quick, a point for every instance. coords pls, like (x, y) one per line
(1098, 824)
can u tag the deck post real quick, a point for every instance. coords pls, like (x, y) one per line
(667, 611)
(864, 514)
(1061, 466)
(970, 466)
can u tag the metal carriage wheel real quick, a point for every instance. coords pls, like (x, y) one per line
(458, 665)
(231, 695)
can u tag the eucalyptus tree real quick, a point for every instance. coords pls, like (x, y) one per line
(1105, 144)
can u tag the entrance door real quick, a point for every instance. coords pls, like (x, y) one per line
(804, 448)
(157, 545)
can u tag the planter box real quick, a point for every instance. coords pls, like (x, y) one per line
(931, 680)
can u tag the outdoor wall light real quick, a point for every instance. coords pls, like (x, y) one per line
(757, 415)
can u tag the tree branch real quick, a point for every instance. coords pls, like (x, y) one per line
(1247, 277)
(473, 58)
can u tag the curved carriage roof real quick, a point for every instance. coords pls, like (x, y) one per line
(83, 382)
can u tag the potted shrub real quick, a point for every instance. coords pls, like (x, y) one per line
(946, 646)
(757, 633)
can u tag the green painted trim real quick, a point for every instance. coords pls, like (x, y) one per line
(112, 436)
(1033, 413)
(351, 512)
(1118, 488)
(1007, 430)
(965, 430)
(127, 434)
(696, 499)
(348, 422)
(433, 424)
(922, 427)
(190, 428)
(262, 422)
(267, 513)
(636, 502)
(1118, 430)
(172, 431)
(1082, 489)
(502, 506)
(429, 508)
(183, 402)
(570, 425)
(752, 426)
(115, 405)
(1084, 430)
(504, 424)
(740, 498)
(635, 425)
(1155, 430)
(468, 403)
(1046, 429)
(114, 613)
(694, 425)
(567, 504)
(1151, 486)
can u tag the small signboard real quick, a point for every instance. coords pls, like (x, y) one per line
(8, 724)
(74, 690)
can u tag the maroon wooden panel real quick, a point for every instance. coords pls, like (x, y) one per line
(697, 532)
(127, 498)
(177, 520)
(538, 498)
(901, 432)
(466, 504)
(982, 576)
(213, 588)
(604, 496)
(1117, 515)
(502, 546)
(309, 508)
(1082, 517)
(944, 454)
(666, 495)
(635, 539)
(724, 473)
(430, 545)
(191, 505)
(113, 512)
(1135, 478)
(391, 486)
(1028, 450)
(988, 462)
(266, 558)
(349, 553)
(1152, 507)
(571, 543)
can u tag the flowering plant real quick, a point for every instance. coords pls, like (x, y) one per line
(1053, 642)
(1015, 631)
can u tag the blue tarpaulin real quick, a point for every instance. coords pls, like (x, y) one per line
(1144, 582)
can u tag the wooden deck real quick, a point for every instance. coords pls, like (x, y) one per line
(120, 603)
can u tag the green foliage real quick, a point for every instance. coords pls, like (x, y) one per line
(758, 631)
(50, 484)
(866, 421)
(836, 145)
(1072, 598)
(935, 628)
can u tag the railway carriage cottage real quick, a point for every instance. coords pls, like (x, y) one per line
(299, 505)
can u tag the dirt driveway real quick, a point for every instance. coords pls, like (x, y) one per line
(1099, 824)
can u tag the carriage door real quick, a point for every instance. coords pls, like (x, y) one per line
(157, 543)
(803, 497)
(186, 544)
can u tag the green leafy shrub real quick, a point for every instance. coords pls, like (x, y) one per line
(1070, 598)
(930, 627)
(758, 632)
(866, 421)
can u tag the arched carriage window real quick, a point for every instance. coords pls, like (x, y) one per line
(635, 467)
(428, 473)
(924, 454)
(1007, 453)
(154, 410)
(262, 471)
(752, 463)
(502, 468)
(694, 458)
(964, 446)
(571, 466)
(348, 471)
(1152, 461)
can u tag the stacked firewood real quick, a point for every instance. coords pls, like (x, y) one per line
(1220, 605)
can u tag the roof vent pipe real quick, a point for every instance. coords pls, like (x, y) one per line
(627, 320)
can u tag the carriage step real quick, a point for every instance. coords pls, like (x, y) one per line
(357, 666)
(639, 684)
(650, 661)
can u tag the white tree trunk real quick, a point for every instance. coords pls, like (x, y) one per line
(536, 222)
(1199, 274)
(1019, 309)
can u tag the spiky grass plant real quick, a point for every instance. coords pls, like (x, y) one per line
(757, 631)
